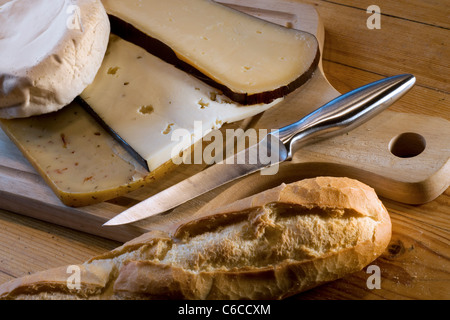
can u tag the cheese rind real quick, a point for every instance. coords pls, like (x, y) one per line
(49, 52)
(250, 60)
(144, 100)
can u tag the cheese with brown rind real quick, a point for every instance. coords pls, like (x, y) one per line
(249, 59)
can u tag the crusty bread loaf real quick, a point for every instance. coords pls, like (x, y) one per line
(268, 246)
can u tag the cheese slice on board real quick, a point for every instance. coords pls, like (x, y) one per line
(50, 50)
(154, 106)
(250, 60)
(79, 160)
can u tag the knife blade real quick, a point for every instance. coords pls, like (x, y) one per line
(336, 117)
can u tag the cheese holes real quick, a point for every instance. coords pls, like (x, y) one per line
(112, 70)
(202, 104)
(168, 128)
(148, 109)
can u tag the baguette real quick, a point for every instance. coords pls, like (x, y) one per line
(269, 246)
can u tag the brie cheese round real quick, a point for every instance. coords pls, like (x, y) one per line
(50, 51)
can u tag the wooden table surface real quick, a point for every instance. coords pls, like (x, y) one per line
(413, 38)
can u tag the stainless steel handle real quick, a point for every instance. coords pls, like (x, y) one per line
(346, 112)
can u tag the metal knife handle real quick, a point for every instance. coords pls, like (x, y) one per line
(346, 112)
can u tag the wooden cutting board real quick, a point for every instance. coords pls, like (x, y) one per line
(402, 156)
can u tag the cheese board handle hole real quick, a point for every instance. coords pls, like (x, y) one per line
(407, 145)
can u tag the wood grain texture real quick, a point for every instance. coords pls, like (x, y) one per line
(419, 100)
(402, 45)
(431, 12)
(417, 262)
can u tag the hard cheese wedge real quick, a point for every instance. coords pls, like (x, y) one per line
(154, 106)
(80, 161)
(249, 59)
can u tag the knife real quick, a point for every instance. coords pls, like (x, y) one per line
(336, 117)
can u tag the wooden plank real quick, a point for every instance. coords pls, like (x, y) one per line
(431, 12)
(30, 245)
(400, 46)
(420, 100)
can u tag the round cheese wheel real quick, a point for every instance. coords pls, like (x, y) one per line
(50, 51)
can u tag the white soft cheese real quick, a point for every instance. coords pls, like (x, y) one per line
(145, 99)
(50, 50)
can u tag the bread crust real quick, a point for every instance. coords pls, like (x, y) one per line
(269, 246)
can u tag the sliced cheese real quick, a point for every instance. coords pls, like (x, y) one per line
(50, 50)
(79, 160)
(145, 100)
(249, 59)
